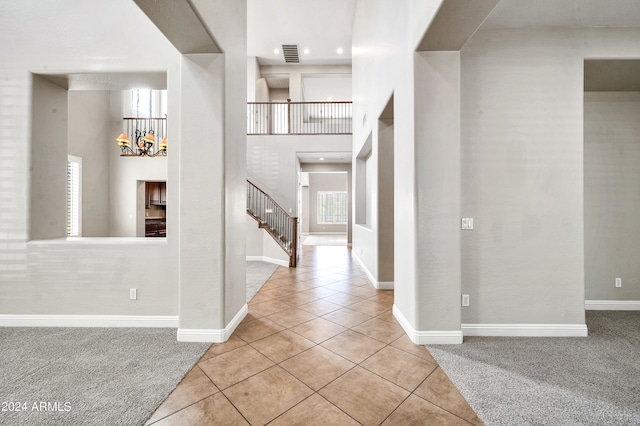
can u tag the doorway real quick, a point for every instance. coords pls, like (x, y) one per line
(325, 208)
(324, 198)
(611, 105)
(154, 206)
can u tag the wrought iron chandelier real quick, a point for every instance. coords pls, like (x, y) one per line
(145, 142)
(143, 133)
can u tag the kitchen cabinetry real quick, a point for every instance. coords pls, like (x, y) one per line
(156, 194)
(155, 209)
(155, 228)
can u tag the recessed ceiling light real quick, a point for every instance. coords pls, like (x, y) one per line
(340, 50)
(306, 51)
(276, 51)
(329, 98)
(321, 158)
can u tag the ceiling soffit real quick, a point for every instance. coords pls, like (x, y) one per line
(612, 75)
(109, 81)
(564, 14)
(181, 24)
(455, 23)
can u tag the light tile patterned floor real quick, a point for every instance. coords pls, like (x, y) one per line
(318, 347)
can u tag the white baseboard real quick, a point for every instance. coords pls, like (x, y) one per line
(378, 285)
(384, 285)
(612, 305)
(268, 260)
(427, 337)
(525, 330)
(212, 335)
(88, 321)
(364, 268)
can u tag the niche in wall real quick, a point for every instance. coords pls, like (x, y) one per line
(386, 199)
(611, 180)
(364, 185)
(72, 115)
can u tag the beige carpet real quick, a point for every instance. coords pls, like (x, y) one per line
(89, 376)
(591, 380)
(257, 274)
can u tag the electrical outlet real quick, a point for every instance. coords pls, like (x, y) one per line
(618, 282)
(465, 300)
(133, 294)
(467, 223)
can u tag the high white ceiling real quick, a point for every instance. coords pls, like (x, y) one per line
(564, 13)
(320, 26)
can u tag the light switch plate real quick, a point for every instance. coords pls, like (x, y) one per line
(467, 223)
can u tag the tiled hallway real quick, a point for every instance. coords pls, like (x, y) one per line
(318, 347)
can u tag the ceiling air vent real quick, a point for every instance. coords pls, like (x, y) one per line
(290, 52)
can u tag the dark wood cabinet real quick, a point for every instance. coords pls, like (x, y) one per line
(156, 194)
(155, 228)
(156, 205)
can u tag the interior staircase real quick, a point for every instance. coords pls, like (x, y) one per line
(282, 227)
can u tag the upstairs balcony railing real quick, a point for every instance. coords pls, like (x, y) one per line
(299, 118)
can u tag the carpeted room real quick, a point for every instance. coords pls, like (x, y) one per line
(554, 380)
(96, 375)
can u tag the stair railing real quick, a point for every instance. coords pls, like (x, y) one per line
(274, 219)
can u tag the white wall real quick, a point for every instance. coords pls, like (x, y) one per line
(261, 246)
(611, 196)
(384, 37)
(296, 73)
(227, 21)
(304, 216)
(90, 138)
(386, 256)
(494, 132)
(48, 159)
(262, 90)
(92, 276)
(271, 162)
(522, 181)
(278, 95)
(437, 156)
(253, 75)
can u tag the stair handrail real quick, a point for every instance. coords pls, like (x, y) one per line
(282, 227)
(269, 197)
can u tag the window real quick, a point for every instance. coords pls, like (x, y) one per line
(332, 207)
(74, 196)
(147, 103)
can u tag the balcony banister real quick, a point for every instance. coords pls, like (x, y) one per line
(299, 118)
